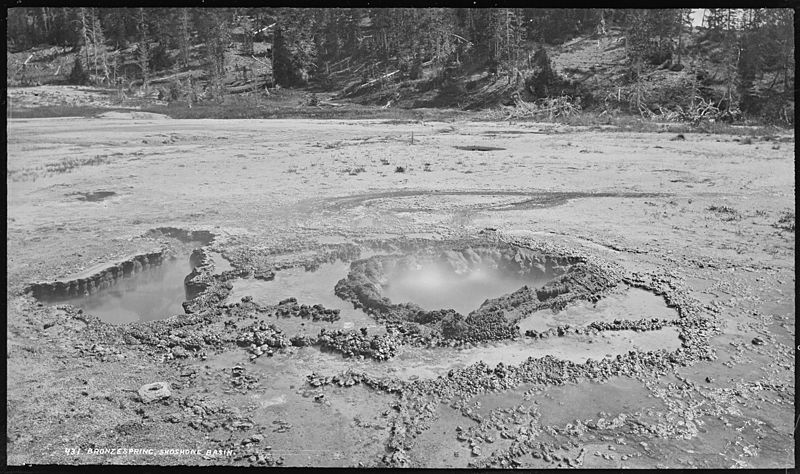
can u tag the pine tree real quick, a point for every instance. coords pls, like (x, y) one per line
(99, 45)
(684, 20)
(246, 24)
(214, 31)
(294, 46)
(715, 19)
(184, 35)
(84, 31)
(143, 50)
(508, 37)
(78, 75)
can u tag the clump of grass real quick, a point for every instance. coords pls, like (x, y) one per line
(65, 165)
(722, 209)
(400, 169)
(26, 174)
(730, 213)
(786, 222)
(68, 164)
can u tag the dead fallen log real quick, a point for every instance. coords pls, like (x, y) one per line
(260, 61)
(248, 87)
(179, 75)
(369, 83)
(329, 103)
(337, 63)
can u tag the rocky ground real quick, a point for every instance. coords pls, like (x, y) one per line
(707, 221)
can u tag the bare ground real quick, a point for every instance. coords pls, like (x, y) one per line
(702, 213)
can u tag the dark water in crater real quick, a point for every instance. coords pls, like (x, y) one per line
(155, 293)
(310, 288)
(435, 285)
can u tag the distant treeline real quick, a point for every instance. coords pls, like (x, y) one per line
(309, 44)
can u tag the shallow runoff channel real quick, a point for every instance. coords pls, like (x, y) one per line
(414, 363)
(432, 288)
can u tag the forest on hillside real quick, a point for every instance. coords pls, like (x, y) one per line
(751, 52)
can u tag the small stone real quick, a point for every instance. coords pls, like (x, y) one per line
(208, 425)
(758, 341)
(180, 352)
(154, 391)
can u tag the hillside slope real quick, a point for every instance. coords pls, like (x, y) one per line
(586, 72)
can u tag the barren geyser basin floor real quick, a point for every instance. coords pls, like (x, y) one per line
(328, 293)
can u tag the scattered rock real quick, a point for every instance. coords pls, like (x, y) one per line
(180, 352)
(154, 391)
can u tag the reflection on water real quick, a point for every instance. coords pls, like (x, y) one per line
(309, 288)
(155, 293)
(434, 286)
(632, 304)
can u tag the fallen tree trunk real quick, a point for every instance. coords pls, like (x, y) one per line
(179, 75)
(353, 88)
(367, 84)
(260, 61)
(253, 85)
(329, 104)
